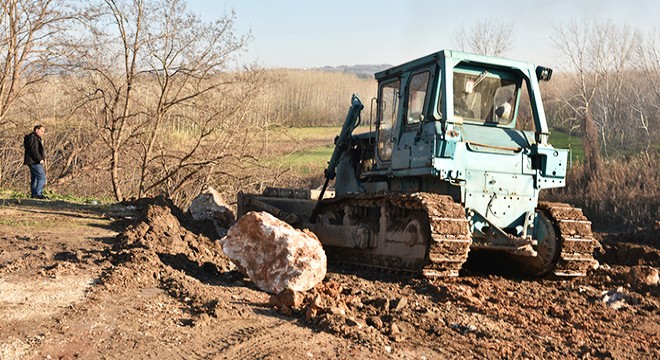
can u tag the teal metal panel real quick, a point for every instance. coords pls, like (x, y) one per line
(421, 153)
(553, 163)
(401, 158)
(446, 148)
(502, 210)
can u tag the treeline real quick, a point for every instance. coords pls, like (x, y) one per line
(219, 139)
(604, 59)
(312, 97)
(626, 117)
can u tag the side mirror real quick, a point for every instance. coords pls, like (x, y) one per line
(543, 73)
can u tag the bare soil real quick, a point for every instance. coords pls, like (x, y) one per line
(140, 281)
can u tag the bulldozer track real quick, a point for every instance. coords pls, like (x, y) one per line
(444, 238)
(448, 235)
(450, 238)
(576, 239)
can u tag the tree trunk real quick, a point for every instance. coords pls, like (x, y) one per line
(145, 159)
(591, 145)
(114, 170)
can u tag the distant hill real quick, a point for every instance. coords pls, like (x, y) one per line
(362, 71)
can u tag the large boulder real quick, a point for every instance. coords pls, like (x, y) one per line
(274, 255)
(209, 206)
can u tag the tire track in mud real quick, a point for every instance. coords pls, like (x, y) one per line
(261, 337)
(273, 340)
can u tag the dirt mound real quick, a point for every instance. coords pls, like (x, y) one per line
(162, 249)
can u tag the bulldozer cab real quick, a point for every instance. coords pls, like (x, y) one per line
(450, 89)
(450, 123)
(484, 97)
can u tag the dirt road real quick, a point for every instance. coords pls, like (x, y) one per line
(91, 282)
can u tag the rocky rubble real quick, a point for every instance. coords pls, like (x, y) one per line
(210, 206)
(274, 255)
(489, 312)
(354, 311)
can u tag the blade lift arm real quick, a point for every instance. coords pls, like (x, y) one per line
(342, 144)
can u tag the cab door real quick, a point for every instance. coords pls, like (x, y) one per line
(388, 113)
(412, 148)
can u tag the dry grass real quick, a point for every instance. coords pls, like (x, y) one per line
(313, 98)
(625, 196)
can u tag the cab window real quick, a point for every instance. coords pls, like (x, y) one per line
(417, 96)
(484, 97)
(388, 109)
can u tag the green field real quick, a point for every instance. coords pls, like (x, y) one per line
(314, 160)
(307, 162)
(304, 150)
(561, 140)
(305, 134)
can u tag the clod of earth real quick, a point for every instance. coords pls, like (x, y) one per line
(288, 298)
(643, 275)
(274, 255)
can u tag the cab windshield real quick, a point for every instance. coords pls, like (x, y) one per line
(484, 97)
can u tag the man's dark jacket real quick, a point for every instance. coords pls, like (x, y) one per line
(34, 149)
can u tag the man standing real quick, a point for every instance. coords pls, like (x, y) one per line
(34, 159)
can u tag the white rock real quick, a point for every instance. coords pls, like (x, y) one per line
(274, 255)
(209, 205)
(615, 299)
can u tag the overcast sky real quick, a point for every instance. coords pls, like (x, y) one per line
(310, 33)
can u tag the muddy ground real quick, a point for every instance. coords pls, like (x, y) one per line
(139, 281)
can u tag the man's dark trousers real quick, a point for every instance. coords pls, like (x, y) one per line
(37, 179)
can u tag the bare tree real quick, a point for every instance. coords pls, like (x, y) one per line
(187, 58)
(486, 37)
(112, 81)
(603, 60)
(646, 103)
(28, 46)
(162, 109)
(583, 49)
(612, 100)
(28, 49)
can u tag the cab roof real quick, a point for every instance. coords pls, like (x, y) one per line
(455, 57)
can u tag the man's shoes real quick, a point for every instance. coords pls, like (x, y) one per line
(42, 197)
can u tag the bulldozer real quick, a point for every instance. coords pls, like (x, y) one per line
(454, 158)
